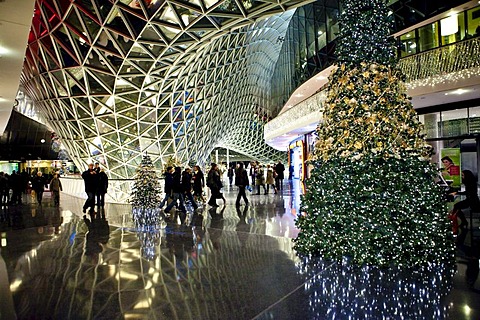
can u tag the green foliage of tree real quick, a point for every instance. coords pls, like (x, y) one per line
(372, 195)
(146, 189)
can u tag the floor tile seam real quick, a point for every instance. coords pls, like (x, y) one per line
(292, 292)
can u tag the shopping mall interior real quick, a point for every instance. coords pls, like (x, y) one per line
(188, 83)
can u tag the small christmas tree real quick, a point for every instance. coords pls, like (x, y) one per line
(146, 189)
(372, 195)
(146, 197)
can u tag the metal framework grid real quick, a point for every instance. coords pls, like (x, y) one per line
(115, 79)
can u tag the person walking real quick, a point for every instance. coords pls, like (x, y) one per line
(187, 186)
(280, 175)
(215, 184)
(260, 179)
(198, 184)
(270, 181)
(241, 181)
(102, 188)
(90, 177)
(168, 177)
(177, 192)
(39, 184)
(55, 188)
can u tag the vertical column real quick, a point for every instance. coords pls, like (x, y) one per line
(477, 142)
(228, 158)
(433, 130)
(216, 156)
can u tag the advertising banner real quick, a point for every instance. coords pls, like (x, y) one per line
(452, 166)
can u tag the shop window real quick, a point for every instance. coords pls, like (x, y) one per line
(473, 21)
(428, 37)
(432, 124)
(454, 123)
(408, 44)
(452, 29)
(474, 119)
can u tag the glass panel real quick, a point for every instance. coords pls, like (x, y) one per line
(454, 123)
(428, 37)
(432, 123)
(473, 16)
(332, 23)
(408, 44)
(475, 120)
(452, 28)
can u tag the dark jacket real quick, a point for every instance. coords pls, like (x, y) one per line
(91, 180)
(198, 181)
(102, 183)
(168, 183)
(177, 182)
(186, 181)
(279, 169)
(38, 183)
(213, 180)
(241, 178)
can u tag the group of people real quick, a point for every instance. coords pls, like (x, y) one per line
(187, 186)
(96, 185)
(14, 185)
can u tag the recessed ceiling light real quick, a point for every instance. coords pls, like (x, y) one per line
(321, 77)
(298, 95)
(458, 91)
(3, 50)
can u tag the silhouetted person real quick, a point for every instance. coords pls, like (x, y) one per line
(90, 178)
(3, 189)
(17, 187)
(280, 175)
(38, 185)
(56, 187)
(102, 188)
(177, 192)
(241, 181)
(215, 184)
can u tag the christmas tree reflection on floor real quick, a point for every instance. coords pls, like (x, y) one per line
(346, 291)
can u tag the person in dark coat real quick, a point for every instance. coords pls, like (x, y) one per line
(168, 176)
(3, 189)
(280, 175)
(187, 186)
(241, 181)
(471, 201)
(38, 185)
(90, 178)
(102, 188)
(198, 184)
(177, 192)
(215, 184)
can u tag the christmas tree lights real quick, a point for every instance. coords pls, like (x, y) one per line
(146, 197)
(372, 195)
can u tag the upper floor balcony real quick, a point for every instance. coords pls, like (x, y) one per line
(442, 75)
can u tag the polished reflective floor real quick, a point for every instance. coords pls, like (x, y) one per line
(220, 263)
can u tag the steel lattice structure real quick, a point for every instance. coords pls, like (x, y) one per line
(118, 78)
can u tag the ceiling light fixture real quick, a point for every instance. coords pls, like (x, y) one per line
(458, 91)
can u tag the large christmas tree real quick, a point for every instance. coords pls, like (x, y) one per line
(372, 195)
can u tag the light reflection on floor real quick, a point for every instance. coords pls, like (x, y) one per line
(223, 263)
